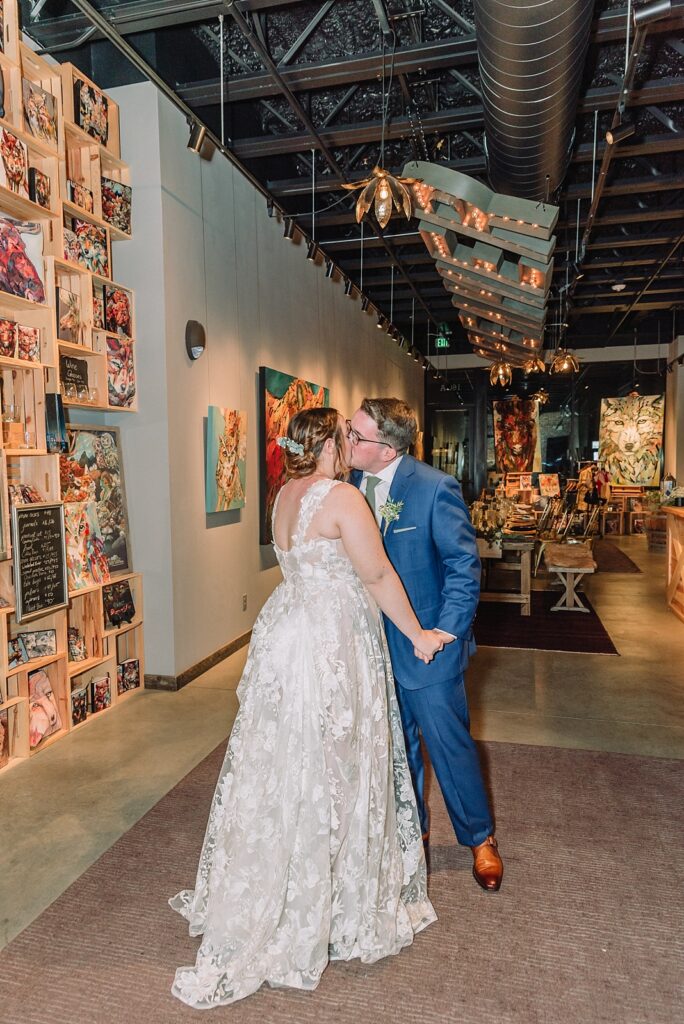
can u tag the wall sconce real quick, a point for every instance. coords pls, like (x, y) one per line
(198, 134)
(195, 339)
(289, 228)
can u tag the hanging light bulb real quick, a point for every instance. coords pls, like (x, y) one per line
(564, 362)
(534, 365)
(501, 373)
(381, 191)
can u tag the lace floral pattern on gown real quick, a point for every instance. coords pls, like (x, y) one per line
(313, 849)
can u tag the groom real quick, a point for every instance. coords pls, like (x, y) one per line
(430, 542)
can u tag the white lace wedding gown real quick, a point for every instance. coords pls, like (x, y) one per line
(313, 850)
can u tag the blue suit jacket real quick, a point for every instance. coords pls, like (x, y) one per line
(432, 547)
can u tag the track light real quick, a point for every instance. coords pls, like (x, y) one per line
(270, 207)
(329, 268)
(289, 228)
(615, 135)
(348, 287)
(198, 134)
(381, 322)
(365, 303)
(311, 251)
(416, 355)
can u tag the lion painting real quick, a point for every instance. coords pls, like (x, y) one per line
(631, 438)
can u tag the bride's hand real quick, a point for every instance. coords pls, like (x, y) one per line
(428, 643)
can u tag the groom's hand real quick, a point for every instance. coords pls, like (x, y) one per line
(446, 638)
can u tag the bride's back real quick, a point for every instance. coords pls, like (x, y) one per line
(292, 498)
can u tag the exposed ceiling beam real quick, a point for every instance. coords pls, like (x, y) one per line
(614, 308)
(630, 186)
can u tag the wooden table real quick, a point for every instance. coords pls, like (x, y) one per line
(570, 563)
(675, 559)
(522, 565)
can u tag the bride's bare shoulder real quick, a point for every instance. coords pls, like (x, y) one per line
(346, 496)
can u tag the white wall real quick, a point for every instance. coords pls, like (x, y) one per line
(674, 414)
(262, 303)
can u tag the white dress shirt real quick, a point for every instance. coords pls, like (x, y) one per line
(382, 490)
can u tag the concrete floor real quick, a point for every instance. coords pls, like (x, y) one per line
(65, 807)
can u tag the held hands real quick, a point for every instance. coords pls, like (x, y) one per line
(429, 642)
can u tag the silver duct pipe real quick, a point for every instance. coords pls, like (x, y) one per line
(531, 55)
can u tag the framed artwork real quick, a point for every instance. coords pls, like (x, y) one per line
(40, 111)
(91, 110)
(81, 196)
(549, 485)
(631, 438)
(117, 311)
(39, 643)
(517, 443)
(86, 560)
(128, 675)
(68, 316)
(16, 652)
(79, 706)
(22, 270)
(39, 188)
(226, 459)
(92, 470)
(280, 396)
(76, 643)
(28, 343)
(100, 694)
(116, 204)
(93, 243)
(71, 245)
(118, 603)
(44, 716)
(121, 386)
(13, 164)
(98, 307)
(8, 338)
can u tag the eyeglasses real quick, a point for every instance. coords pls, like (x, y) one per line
(355, 437)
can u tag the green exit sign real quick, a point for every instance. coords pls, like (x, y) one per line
(441, 343)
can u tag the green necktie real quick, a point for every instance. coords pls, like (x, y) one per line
(371, 483)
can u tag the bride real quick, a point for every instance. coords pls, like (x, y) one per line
(313, 850)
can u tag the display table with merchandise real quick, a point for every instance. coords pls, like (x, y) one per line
(675, 559)
(521, 563)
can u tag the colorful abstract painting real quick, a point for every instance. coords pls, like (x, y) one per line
(226, 459)
(631, 438)
(516, 436)
(281, 396)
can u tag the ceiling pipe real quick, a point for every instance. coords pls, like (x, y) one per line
(531, 57)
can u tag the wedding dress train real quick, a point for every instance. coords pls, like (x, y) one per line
(313, 849)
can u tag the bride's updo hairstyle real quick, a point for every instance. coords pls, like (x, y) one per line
(311, 428)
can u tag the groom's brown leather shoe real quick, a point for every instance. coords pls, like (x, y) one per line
(487, 866)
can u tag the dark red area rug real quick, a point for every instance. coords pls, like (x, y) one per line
(502, 625)
(609, 558)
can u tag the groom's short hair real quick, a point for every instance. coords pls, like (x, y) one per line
(395, 420)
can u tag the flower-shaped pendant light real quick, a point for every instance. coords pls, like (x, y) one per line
(381, 192)
(501, 373)
(534, 365)
(564, 362)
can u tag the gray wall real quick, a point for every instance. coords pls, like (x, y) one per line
(262, 303)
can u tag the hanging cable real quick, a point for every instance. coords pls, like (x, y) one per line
(313, 195)
(221, 62)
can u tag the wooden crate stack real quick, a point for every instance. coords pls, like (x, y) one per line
(73, 158)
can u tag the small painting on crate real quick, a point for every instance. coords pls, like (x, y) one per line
(86, 559)
(91, 111)
(116, 204)
(44, 716)
(16, 652)
(80, 195)
(39, 643)
(4, 738)
(77, 644)
(120, 372)
(118, 604)
(40, 111)
(28, 343)
(98, 307)
(8, 339)
(69, 316)
(118, 311)
(93, 244)
(13, 164)
(24, 494)
(101, 694)
(79, 706)
(22, 271)
(128, 675)
(39, 188)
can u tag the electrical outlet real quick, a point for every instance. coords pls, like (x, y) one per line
(244, 602)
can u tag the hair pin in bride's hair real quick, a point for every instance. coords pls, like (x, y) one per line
(292, 446)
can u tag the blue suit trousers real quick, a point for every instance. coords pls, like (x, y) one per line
(440, 713)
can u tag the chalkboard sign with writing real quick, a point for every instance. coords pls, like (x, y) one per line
(73, 371)
(40, 572)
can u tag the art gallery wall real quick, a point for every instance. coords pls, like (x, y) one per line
(261, 303)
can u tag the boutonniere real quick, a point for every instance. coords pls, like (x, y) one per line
(390, 512)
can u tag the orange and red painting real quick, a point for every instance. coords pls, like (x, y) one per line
(281, 396)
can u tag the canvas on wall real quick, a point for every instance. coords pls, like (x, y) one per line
(631, 438)
(22, 270)
(92, 470)
(280, 396)
(516, 436)
(226, 459)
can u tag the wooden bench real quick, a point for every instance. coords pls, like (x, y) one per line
(571, 563)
